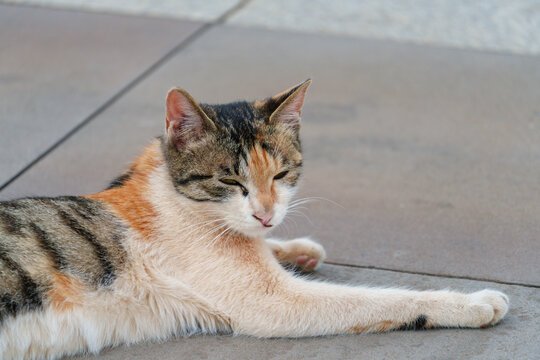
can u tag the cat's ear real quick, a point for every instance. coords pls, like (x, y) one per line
(290, 102)
(186, 121)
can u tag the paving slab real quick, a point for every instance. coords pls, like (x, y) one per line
(57, 67)
(432, 154)
(207, 10)
(514, 338)
(498, 25)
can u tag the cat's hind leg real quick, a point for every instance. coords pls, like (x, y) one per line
(303, 253)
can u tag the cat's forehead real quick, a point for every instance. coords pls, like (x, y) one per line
(232, 112)
(241, 123)
(244, 131)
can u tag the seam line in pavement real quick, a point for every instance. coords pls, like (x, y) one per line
(125, 89)
(370, 267)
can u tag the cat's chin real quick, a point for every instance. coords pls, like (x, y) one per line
(254, 232)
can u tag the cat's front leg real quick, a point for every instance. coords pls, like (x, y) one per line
(303, 253)
(296, 307)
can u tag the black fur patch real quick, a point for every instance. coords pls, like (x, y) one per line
(10, 305)
(237, 119)
(193, 177)
(109, 272)
(12, 204)
(49, 247)
(12, 224)
(200, 199)
(226, 170)
(418, 324)
(30, 289)
(85, 205)
(121, 180)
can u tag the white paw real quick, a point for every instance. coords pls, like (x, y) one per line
(304, 253)
(492, 306)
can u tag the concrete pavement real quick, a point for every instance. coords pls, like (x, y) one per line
(430, 153)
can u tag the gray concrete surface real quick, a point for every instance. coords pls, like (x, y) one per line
(58, 67)
(498, 25)
(186, 9)
(430, 153)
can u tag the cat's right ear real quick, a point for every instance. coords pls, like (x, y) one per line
(186, 121)
(289, 106)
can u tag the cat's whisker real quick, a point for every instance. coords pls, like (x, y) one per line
(216, 239)
(214, 228)
(285, 226)
(293, 213)
(204, 237)
(286, 223)
(298, 205)
(202, 224)
(314, 198)
(296, 208)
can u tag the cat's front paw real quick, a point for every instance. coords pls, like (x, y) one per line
(493, 305)
(303, 253)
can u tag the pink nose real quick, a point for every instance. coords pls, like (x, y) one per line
(264, 218)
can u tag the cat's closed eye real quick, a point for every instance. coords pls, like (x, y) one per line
(233, 182)
(281, 175)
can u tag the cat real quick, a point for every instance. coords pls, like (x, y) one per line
(175, 246)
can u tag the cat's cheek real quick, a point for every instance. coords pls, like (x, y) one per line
(238, 213)
(285, 194)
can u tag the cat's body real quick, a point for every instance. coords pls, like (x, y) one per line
(176, 246)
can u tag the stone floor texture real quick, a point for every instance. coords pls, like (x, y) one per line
(58, 67)
(423, 161)
(497, 25)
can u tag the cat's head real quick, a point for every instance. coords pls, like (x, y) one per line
(240, 162)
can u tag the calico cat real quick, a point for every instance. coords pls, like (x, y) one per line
(176, 246)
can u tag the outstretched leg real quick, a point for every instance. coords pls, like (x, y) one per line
(270, 302)
(303, 308)
(303, 253)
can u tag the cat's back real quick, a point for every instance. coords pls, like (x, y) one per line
(49, 247)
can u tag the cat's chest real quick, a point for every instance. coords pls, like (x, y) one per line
(218, 271)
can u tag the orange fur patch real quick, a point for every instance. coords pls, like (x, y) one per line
(385, 325)
(263, 168)
(129, 201)
(381, 326)
(66, 291)
(359, 329)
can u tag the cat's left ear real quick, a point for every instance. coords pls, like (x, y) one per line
(289, 111)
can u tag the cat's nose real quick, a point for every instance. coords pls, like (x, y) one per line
(264, 217)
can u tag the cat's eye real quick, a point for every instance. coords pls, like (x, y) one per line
(281, 175)
(230, 182)
(235, 183)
